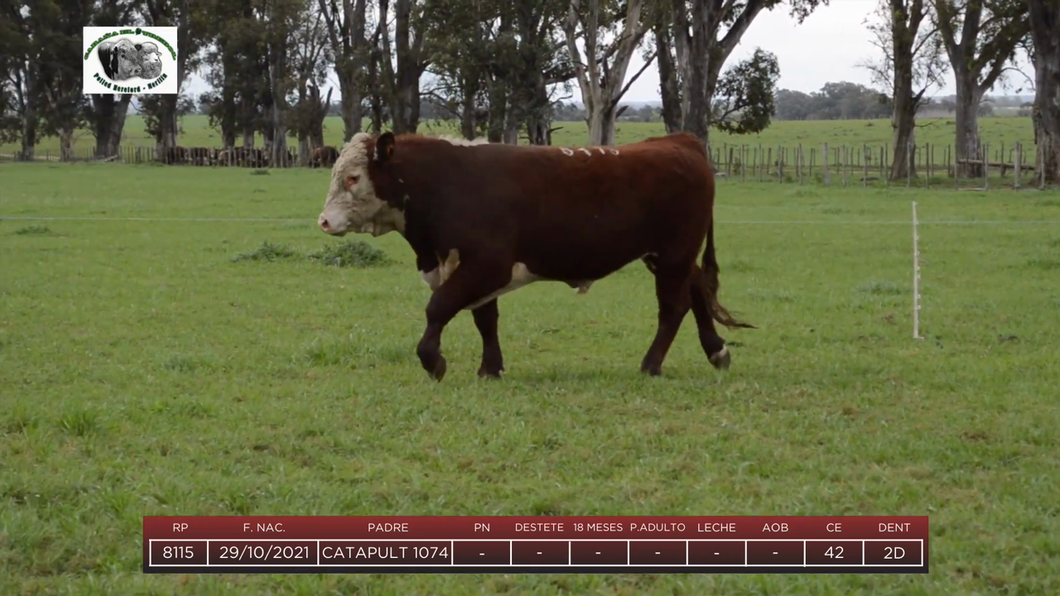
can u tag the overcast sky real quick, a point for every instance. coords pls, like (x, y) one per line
(826, 48)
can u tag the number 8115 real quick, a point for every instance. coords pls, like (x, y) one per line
(178, 552)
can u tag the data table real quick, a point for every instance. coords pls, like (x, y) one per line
(536, 544)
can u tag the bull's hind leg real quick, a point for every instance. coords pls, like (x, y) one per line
(712, 343)
(469, 283)
(486, 317)
(672, 291)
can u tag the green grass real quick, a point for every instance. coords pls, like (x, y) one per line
(143, 372)
(852, 133)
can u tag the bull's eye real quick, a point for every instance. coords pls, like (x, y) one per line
(351, 180)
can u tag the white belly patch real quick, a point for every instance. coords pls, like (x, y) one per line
(437, 276)
(521, 276)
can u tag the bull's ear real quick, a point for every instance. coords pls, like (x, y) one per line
(384, 147)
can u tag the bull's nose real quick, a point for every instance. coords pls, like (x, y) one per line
(323, 223)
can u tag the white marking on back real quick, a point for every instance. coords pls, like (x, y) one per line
(462, 142)
(587, 152)
(614, 151)
(567, 151)
(602, 152)
(521, 276)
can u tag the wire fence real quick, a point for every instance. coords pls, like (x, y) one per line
(928, 164)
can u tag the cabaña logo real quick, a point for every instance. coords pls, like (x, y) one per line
(131, 60)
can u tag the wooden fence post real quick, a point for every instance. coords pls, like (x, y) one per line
(824, 164)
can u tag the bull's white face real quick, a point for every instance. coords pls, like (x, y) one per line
(352, 205)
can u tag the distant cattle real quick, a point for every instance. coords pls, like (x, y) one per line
(486, 219)
(324, 157)
(201, 156)
(246, 157)
(174, 155)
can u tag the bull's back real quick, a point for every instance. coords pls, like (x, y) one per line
(582, 214)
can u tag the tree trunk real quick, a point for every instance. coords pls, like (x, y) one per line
(351, 105)
(602, 125)
(905, 22)
(498, 110)
(696, 118)
(277, 82)
(539, 125)
(539, 130)
(668, 85)
(1045, 32)
(467, 111)
(109, 122)
(29, 130)
(66, 144)
(27, 98)
(304, 150)
(321, 107)
(904, 124)
(967, 124)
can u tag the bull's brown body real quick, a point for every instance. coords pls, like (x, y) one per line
(490, 218)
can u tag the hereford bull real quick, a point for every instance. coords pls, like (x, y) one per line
(486, 219)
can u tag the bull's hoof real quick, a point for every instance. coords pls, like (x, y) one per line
(652, 370)
(721, 360)
(490, 372)
(439, 369)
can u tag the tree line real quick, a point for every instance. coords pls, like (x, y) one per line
(503, 68)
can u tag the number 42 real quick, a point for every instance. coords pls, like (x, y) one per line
(835, 552)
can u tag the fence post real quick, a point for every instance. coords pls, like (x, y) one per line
(1044, 148)
(956, 170)
(743, 163)
(1018, 163)
(884, 174)
(762, 157)
(824, 164)
(798, 163)
(865, 158)
(986, 166)
(928, 150)
(916, 278)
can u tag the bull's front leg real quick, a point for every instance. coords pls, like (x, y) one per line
(486, 317)
(470, 283)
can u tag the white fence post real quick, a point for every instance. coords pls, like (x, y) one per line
(916, 278)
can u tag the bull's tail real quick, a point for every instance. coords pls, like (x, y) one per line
(710, 284)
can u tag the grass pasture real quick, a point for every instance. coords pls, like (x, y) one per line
(153, 365)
